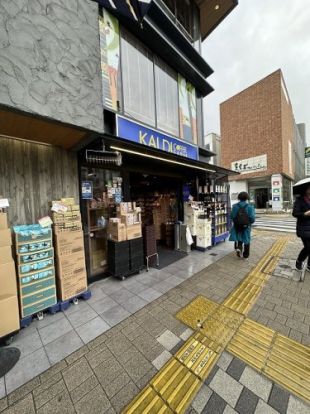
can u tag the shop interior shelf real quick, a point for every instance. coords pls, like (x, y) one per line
(93, 229)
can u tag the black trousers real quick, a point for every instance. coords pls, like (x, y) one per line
(245, 247)
(305, 252)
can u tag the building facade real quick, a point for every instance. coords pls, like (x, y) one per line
(104, 94)
(212, 142)
(262, 142)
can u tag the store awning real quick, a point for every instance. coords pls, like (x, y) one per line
(20, 125)
(145, 153)
(212, 13)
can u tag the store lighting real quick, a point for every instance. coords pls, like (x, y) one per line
(160, 158)
(217, 7)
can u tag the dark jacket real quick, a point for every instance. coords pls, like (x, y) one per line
(303, 222)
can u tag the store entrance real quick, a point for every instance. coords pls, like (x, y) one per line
(261, 197)
(160, 200)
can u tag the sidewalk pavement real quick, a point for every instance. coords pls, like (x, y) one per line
(107, 373)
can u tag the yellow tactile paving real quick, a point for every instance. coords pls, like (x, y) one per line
(225, 326)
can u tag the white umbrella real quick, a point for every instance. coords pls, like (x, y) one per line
(301, 185)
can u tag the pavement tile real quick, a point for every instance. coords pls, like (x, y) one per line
(52, 391)
(256, 382)
(47, 384)
(229, 410)
(25, 406)
(137, 367)
(225, 360)
(299, 326)
(79, 318)
(263, 408)
(63, 347)
(247, 402)
(134, 303)
(226, 387)
(3, 404)
(160, 361)
(48, 319)
(81, 307)
(296, 406)
(26, 369)
(27, 343)
(55, 330)
(121, 296)
(113, 387)
(2, 388)
(297, 336)
(97, 355)
(201, 398)
(177, 347)
(90, 330)
(236, 368)
(186, 334)
(22, 391)
(168, 339)
(79, 392)
(77, 373)
(108, 371)
(95, 402)
(278, 399)
(98, 341)
(61, 404)
(77, 355)
(142, 382)
(212, 374)
(115, 315)
(51, 372)
(104, 304)
(215, 405)
(150, 294)
(123, 397)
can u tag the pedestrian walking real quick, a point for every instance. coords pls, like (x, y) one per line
(243, 216)
(301, 211)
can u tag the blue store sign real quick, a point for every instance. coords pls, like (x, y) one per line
(87, 190)
(140, 134)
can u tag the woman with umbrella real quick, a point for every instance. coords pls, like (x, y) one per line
(301, 211)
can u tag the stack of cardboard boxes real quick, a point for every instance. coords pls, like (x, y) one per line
(9, 319)
(203, 232)
(69, 250)
(191, 213)
(35, 268)
(127, 225)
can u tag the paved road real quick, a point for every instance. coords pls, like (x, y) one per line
(282, 224)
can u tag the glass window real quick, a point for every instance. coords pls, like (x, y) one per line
(187, 110)
(138, 79)
(166, 97)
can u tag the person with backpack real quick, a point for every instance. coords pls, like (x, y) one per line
(243, 216)
(301, 211)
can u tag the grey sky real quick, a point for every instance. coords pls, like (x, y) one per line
(257, 38)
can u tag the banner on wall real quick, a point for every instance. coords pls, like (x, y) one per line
(132, 131)
(250, 165)
(277, 192)
(110, 60)
(187, 110)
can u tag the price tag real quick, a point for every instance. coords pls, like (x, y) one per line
(45, 221)
(58, 207)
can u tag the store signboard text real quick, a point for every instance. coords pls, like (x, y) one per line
(250, 165)
(140, 134)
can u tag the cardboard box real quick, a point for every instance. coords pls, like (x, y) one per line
(72, 285)
(5, 237)
(3, 221)
(68, 201)
(69, 263)
(5, 254)
(203, 242)
(117, 232)
(134, 232)
(76, 246)
(65, 238)
(9, 308)
(8, 279)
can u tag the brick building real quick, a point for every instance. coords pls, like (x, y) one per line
(262, 142)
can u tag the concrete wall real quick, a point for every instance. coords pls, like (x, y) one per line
(50, 59)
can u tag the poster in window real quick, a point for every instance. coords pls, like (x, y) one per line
(110, 60)
(187, 110)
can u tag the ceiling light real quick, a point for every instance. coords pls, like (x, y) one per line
(217, 7)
